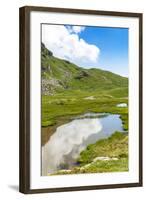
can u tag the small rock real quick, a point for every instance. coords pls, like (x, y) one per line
(104, 158)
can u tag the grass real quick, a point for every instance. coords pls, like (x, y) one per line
(114, 147)
(71, 77)
(70, 99)
(68, 104)
(120, 165)
(64, 106)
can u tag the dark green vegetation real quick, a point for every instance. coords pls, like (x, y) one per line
(69, 90)
(113, 149)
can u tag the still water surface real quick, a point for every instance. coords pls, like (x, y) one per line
(66, 144)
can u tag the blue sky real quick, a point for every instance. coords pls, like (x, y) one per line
(113, 45)
(88, 47)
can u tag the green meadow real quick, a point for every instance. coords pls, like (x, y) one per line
(67, 91)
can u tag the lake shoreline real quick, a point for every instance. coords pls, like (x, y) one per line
(101, 129)
(48, 131)
(101, 158)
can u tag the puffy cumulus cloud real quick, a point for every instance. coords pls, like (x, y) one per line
(75, 29)
(78, 29)
(65, 43)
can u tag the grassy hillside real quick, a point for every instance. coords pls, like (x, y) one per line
(59, 75)
(69, 90)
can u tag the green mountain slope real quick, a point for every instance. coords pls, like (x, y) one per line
(59, 75)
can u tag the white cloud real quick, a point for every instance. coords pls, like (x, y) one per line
(75, 29)
(78, 29)
(65, 43)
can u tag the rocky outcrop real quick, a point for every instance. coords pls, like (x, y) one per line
(49, 85)
(45, 51)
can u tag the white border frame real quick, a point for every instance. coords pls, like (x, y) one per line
(36, 180)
